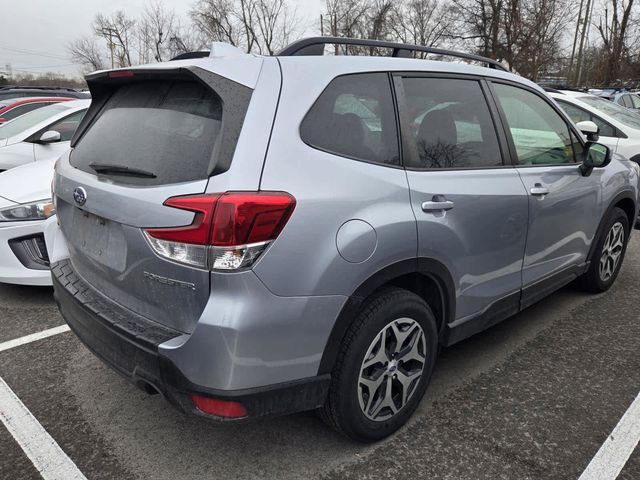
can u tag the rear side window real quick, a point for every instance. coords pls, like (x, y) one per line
(354, 117)
(578, 114)
(166, 128)
(450, 124)
(22, 109)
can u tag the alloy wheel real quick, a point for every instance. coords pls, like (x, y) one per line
(611, 251)
(391, 369)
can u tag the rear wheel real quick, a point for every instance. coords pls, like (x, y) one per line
(609, 254)
(384, 366)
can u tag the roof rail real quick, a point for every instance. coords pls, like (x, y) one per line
(315, 46)
(36, 87)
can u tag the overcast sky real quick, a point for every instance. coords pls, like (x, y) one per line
(35, 33)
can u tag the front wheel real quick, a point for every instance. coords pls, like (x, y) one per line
(384, 366)
(609, 253)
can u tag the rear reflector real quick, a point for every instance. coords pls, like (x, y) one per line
(219, 408)
(229, 231)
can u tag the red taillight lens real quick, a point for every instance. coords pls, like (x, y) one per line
(199, 232)
(233, 228)
(219, 408)
(243, 218)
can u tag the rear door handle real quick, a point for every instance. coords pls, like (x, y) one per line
(539, 191)
(437, 204)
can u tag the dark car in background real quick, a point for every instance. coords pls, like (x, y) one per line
(18, 91)
(10, 109)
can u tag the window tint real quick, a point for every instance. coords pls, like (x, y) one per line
(578, 114)
(22, 109)
(354, 117)
(450, 123)
(168, 128)
(635, 101)
(541, 136)
(67, 126)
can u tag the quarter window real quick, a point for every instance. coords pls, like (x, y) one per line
(449, 124)
(540, 135)
(354, 117)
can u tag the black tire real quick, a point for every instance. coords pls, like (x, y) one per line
(593, 280)
(342, 410)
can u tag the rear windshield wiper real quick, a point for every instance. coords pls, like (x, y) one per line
(121, 170)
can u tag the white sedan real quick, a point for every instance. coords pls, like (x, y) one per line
(25, 204)
(40, 134)
(618, 127)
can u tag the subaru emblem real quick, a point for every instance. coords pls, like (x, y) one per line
(80, 196)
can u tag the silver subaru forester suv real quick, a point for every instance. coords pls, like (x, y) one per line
(253, 236)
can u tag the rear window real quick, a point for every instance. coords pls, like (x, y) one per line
(166, 128)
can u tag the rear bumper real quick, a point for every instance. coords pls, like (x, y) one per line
(14, 270)
(129, 344)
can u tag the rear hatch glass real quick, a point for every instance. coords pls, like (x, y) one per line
(163, 130)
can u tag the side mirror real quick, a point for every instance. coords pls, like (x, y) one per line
(50, 136)
(597, 156)
(590, 129)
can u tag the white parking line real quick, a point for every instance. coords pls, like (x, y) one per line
(33, 337)
(43, 451)
(616, 450)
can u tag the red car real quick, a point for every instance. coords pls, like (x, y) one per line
(14, 107)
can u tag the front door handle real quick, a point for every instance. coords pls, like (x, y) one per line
(437, 204)
(539, 191)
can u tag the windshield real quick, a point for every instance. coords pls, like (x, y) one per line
(29, 120)
(621, 114)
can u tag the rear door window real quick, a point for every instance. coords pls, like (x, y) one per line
(354, 117)
(450, 124)
(167, 128)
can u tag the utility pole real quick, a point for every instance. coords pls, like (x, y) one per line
(575, 42)
(585, 34)
(582, 37)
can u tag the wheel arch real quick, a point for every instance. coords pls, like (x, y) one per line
(624, 201)
(426, 277)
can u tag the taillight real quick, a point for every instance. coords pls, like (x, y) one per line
(229, 231)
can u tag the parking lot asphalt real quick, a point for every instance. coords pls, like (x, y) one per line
(532, 398)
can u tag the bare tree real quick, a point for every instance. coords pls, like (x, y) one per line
(216, 20)
(421, 22)
(614, 32)
(480, 22)
(85, 51)
(117, 30)
(255, 25)
(157, 26)
(276, 22)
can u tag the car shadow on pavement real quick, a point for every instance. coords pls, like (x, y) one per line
(152, 437)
